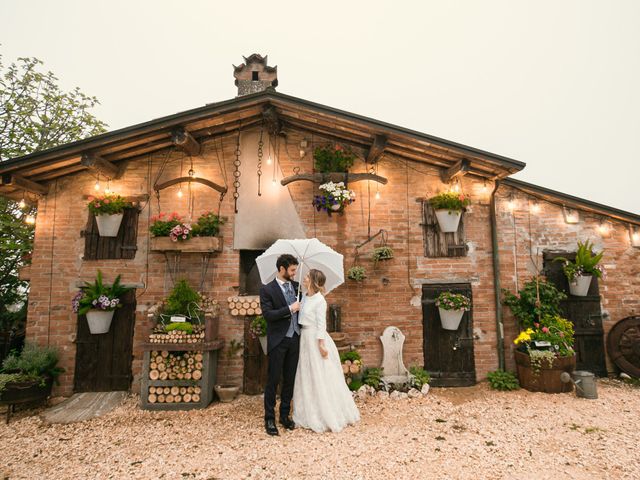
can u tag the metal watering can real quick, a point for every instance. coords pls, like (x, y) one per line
(584, 381)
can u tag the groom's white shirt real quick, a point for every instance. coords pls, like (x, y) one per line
(284, 292)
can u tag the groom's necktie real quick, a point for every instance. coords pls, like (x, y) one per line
(291, 298)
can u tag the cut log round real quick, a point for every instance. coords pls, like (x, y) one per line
(354, 368)
(198, 357)
(160, 398)
(187, 376)
(258, 311)
(177, 399)
(159, 359)
(251, 311)
(164, 353)
(195, 398)
(175, 390)
(242, 311)
(166, 390)
(234, 312)
(198, 365)
(152, 389)
(345, 368)
(152, 398)
(170, 398)
(246, 305)
(153, 365)
(162, 367)
(183, 390)
(189, 389)
(197, 390)
(254, 304)
(186, 397)
(163, 375)
(197, 375)
(154, 374)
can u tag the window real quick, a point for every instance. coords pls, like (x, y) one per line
(436, 243)
(254, 76)
(122, 246)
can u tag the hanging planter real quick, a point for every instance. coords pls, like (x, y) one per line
(448, 207)
(357, 273)
(580, 272)
(451, 307)
(108, 210)
(171, 233)
(258, 329)
(380, 254)
(98, 302)
(334, 197)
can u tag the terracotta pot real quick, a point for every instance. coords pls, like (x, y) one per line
(108, 225)
(548, 379)
(263, 343)
(226, 393)
(448, 220)
(580, 285)
(450, 319)
(99, 321)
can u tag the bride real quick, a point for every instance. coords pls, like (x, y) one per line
(321, 399)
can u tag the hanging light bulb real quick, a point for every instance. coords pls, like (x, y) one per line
(635, 236)
(535, 207)
(485, 187)
(30, 219)
(377, 195)
(22, 203)
(603, 228)
(96, 187)
(180, 191)
(511, 204)
(269, 161)
(107, 190)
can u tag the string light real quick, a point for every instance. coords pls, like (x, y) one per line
(107, 190)
(511, 204)
(96, 187)
(22, 203)
(603, 228)
(377, 194)
(634, 232)
(535, 207)
(30, 219)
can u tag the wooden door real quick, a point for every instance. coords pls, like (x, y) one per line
(448, 354)
(103, 362)
(585, 314)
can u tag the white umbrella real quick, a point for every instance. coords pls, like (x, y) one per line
(311, 253)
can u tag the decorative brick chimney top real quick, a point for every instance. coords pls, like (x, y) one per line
(254, 75)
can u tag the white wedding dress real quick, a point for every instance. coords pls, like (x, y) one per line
(321, 399)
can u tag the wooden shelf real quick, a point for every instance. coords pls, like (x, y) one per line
(184, 347)
(193, 245)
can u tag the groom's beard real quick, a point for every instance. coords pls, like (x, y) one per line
(287, 277)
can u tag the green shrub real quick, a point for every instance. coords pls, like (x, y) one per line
(351, 355)
(419, 377)
(525, 306)
(208, 225)
(182, 326)
(355, 385)
(333, 159)
(501, 380)
(373, 377)
(33, 362)
(183, 300)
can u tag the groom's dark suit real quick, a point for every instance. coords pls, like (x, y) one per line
(283, 351)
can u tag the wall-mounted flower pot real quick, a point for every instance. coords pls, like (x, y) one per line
(108, 225)
(263, 343)
(448, 220)
(99, 321)
(579, 286)
(450, 319)
(193, 245)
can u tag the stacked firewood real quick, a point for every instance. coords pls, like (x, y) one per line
(174, 394)
(175, 366)
(244, 305)
(159, 335)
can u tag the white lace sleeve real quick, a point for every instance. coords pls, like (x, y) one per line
(321, 317)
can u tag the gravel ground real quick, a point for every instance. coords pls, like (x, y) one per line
(450, 433)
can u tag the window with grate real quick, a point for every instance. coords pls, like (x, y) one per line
(437, 243)
(122, 246)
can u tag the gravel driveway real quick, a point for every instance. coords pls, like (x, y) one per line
(450, 433)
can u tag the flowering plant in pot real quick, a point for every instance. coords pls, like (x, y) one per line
(334, 197)
(581, 271)
(171, 226)
(448, 207)
(207, 225)
(258, 329)
(108, 210)
(451, 307)
(98, 302)
(545, 349)
(330, 159)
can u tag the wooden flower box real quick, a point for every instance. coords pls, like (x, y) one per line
(193, 245)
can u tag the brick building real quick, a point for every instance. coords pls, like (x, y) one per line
(530, 225)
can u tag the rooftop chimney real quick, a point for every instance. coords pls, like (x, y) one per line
(254, 75)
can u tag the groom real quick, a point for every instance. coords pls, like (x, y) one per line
(280, 307)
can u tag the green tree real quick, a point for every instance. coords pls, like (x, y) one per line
(35, 114)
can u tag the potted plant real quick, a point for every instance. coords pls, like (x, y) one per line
(329, 159)
(98, 302)
(29, 375)
(334, 197)
(227, 391)
(583, 269)
(258, 329)
(172, 232)
(357, 273)
(545, 350)
(108, 210)
(448, 207)
(452, 307)
(382, 253)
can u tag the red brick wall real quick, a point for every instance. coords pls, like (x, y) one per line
(367, 307)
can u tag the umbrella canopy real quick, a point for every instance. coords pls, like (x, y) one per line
(311, 253)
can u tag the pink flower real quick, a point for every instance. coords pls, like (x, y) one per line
(97, 205)
(91, 198)
(537, 325)
(106, 201)
(545, 329)
(184, 237)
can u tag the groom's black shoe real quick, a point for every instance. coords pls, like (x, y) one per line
(270, 426)
(287, 423)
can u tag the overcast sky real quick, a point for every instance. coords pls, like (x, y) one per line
(555, 84)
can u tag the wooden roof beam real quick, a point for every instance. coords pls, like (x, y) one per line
(97, 164)
(21, 183)
(271, 120)
(377, 148)
(459, 169)
(185, 141)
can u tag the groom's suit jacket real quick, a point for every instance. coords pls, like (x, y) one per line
(275, 310)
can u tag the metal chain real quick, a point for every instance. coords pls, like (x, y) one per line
(236, 173)
(260, 153)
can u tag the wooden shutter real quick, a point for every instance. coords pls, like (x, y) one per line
(122, 246)
(438, 244)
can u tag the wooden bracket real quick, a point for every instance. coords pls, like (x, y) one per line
(377, 148)
(185, 142)
(21, 183)
(203, 181)
(333, 177)
(459, 169)
(97, 164)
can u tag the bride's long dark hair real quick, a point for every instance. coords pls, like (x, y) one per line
(317, 280)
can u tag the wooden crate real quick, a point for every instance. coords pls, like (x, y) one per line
(193, 245)
(209, 351)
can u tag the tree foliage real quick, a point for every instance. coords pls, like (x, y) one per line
(35, 114)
